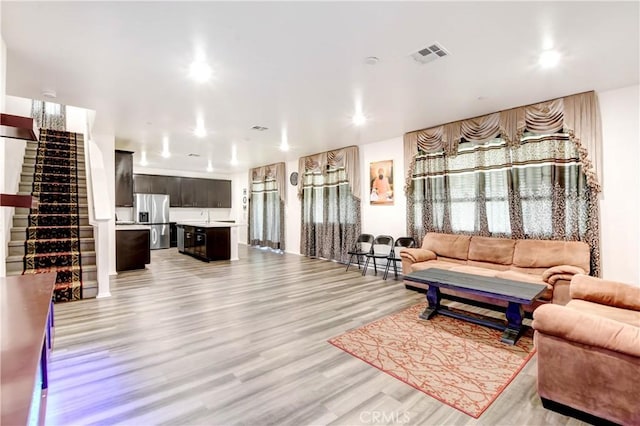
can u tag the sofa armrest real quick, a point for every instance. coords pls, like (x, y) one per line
(561, 272)
(587, 329)
(417, 254)
(605, 292)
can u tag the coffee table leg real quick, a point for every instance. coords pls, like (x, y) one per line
(514, 323)
(433, 297)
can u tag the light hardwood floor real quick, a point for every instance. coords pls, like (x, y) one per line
(189, 343)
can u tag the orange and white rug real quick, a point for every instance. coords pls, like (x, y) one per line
(457, 362)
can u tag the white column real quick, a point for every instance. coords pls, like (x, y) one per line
(102, 257)
(234, 243)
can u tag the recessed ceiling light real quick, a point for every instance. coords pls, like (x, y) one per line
(234, 155)
(549, 58)
(49, 93)
(359, 119)
(284, 144)
(199, 71)
(371, 60)
(200, 132)
(165, 147)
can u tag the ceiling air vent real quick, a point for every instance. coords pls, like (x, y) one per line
(429, 54)
(259, 128)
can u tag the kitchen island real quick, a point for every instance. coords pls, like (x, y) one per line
(209, 240)
(133, 243)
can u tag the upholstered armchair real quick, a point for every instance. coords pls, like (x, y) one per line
(589, 351)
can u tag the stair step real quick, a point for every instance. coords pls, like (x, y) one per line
(83, 209)
(30, 168)
(90, 256)
(28, 187)
(28, 178)
(16, 248)
(89, 272)
(33, 153)
(20, 232)
(16, 263)
(20, 220)
(89, 289)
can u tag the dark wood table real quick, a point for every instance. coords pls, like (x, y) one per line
(516, 293)
(27, 316)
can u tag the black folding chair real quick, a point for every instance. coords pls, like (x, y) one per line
(381, 249)
(362, 246)
(394, 256)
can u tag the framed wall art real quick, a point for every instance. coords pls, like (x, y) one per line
(381, 182)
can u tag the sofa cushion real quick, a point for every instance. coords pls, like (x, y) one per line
(493, 250)
(474, 270)
(605, 292)
(531, 271)
(433, 264)
(544, 254)
(447, 245)
(613, 313)
(494, 266)
(452, 260)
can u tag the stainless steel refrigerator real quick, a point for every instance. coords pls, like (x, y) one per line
(153, 210)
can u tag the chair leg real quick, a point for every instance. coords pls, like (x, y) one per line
(375, 267)
(349, 262)
(386, 270)
(395, 268)
(366, 264)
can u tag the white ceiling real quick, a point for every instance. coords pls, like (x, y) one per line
(300, 65)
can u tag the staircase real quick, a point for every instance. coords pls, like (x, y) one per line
(56, 236)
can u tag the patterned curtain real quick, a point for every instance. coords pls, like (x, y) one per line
(266, 211)
(49, 115)
(534, 189)
(330, 206)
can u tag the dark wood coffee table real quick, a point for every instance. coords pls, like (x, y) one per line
(516, 293)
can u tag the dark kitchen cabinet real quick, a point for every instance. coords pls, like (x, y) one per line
(207, 243)
(142, 184)
(186, 192)
(219, 194)
(173, 190)
(150, 184)
(202, 192)
(173, 234)
(159, 184)
(132, 249)
(124, 178)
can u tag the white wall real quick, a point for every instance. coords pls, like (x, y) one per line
(13, 155)
(384, 219)
(620, 203)
(292, 213)
(620, 206)
(4, 231)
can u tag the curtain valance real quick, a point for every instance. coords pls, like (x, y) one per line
(275, 171)
(346, 158)
(578, 115)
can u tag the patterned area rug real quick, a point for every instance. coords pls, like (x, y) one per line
(53, 235)
(459, 363)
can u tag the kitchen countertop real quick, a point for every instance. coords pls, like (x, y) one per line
(212, 224)
(133, 227)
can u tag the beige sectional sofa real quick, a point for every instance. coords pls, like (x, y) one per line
(589, 351)
(552, 263)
